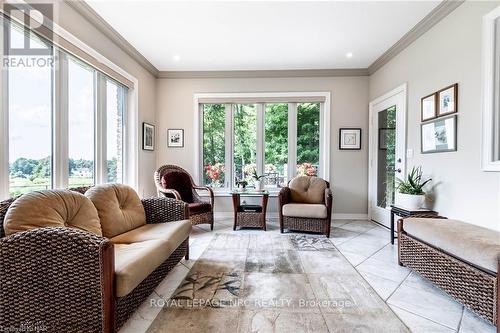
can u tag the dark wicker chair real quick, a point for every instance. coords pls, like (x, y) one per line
(173, 181)
(475, 287)
(301, 223)
(62, 279)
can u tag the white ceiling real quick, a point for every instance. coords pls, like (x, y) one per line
(258, 35)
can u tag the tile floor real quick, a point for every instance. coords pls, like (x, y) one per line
(420, 305)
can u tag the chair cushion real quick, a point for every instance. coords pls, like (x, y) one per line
(476, 245)
(52, 208)
(199, 208)
(140, 251)
(181, 182)
(316, 211)
(306, 189)
(120, 208)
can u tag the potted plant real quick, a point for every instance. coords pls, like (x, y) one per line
(257, 180)
(410, 193)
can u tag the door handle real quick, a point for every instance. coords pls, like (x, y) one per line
(398, 170)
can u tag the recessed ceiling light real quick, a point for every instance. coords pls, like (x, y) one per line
(348, 55)
(176, 57)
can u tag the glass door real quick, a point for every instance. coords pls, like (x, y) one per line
(387, 153)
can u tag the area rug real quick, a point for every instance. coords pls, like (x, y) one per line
(274, 283)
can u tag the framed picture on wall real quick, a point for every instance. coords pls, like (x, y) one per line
(448, 100)
(350, 139)
(148, 136)
(175, 138)
(428, 107)
(439, 135)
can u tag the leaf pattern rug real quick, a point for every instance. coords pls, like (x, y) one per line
(264, 283)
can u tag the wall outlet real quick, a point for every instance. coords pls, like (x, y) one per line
(409, 153)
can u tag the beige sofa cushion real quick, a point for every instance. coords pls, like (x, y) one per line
(120, 208)
(52, 208)
(308, 189)
(140, 251)
(315, 211)
(476, 245)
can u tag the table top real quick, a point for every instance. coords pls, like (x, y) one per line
(250, 192)
(420, 210)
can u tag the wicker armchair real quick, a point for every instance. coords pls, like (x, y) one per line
(62, 279)
(306, 205)
(175, 182)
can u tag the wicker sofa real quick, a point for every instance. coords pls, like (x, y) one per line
(75, 263)
(306, 205)
(460, 258)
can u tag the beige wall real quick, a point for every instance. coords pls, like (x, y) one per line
(450, 52)
(74, 23)
(349, 108)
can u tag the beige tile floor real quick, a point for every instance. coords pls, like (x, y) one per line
(420, 305)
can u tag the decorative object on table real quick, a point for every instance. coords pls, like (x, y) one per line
(410, 193)
(257, 180)
(439, 135)
(306, 205)
(175, 182)
(175, 138)
(447, 100)
(246, 215)
(306, 169)
(350, 139)
(428, 107)
(148, 136)
(242, 184)
(383, 134)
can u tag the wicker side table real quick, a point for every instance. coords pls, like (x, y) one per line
(249, 219)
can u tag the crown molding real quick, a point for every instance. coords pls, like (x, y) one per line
(263, 73)
(97, 21)
(436, 15)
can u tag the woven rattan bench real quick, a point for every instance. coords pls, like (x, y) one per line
(78, 293)
(474, 286)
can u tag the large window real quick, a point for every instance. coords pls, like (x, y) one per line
(278, 140)
(30, 125)
(81, 145)
(65, 119)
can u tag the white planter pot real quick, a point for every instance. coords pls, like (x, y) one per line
(258, 185)
(410, 201)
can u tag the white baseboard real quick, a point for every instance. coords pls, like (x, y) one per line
(225, 215)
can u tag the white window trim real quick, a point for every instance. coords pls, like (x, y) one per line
(324, 154)
(131, 128)
(487, 159)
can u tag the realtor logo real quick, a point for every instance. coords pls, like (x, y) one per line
(35, 17)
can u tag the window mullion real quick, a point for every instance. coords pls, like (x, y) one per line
(259, 158)
(60, 122)
(100, 129)
(228, 154)
(4, 125)
(292, 140)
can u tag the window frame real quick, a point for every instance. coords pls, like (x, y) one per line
(490, 96)
(292, 99)
(60, 124)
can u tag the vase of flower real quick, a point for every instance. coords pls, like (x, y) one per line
(257, 180)
(410, 193)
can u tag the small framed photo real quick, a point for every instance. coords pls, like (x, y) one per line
(148, 136)
(350, 139)
(439, 135)
(384, 135)
(428, 107)
(448, 100)
(175, 138)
